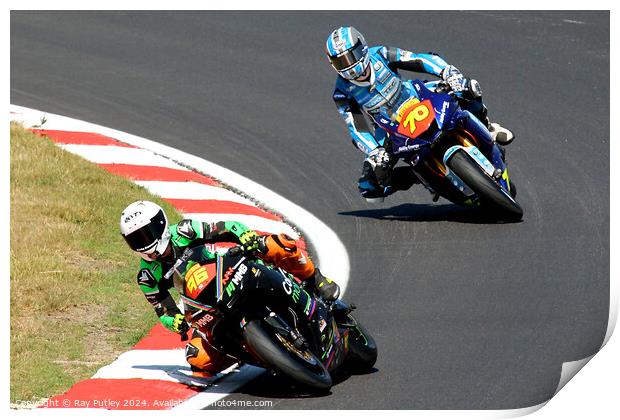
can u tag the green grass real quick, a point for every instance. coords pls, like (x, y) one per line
(75, 303)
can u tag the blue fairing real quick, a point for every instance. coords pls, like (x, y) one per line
(448, 115)
(446, 108)
(485, 141)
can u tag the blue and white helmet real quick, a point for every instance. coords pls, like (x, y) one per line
(348, 52)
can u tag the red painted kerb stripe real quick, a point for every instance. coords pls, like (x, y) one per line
(122, 394)
(217, 206)
(77, 137)
(157, 173)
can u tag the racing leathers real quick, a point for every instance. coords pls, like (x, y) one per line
(360, 101)
(279, 250)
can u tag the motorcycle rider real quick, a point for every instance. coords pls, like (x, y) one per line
(144, 226)
(369, 82)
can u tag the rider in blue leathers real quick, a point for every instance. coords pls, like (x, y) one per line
(369, 82)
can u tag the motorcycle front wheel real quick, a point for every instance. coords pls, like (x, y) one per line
(281, 355)
(490, 194)
(362, 347)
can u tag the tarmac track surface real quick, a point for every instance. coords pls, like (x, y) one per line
(468, 314)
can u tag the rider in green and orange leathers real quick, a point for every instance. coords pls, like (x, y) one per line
(145, 228)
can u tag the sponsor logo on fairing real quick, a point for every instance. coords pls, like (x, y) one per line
(408, 148)
(287, 285)
(227, 275)
(444, 108)
(204, 321)
(236, 280)
(239, 274)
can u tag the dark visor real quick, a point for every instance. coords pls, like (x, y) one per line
(349, 57)
(145, 237)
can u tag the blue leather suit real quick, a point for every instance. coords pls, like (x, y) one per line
(385, 89)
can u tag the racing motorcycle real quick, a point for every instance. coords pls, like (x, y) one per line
(263, 316)
(450, 151)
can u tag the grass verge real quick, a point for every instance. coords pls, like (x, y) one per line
(75, 304)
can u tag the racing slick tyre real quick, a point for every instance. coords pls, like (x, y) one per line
(362, 347)
(513, 189)
(279, 353)
(490, 194)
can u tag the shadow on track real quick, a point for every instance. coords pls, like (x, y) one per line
(428, 213)
(269, 385)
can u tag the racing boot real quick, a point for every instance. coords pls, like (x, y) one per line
(368, 185)
(324, 287)
(501, 135)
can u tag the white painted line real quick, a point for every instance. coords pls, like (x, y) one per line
(192, 190)
(222, 388)
(146, 364)
(253, 222)
(119, 154)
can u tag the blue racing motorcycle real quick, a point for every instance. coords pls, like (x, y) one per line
(450, 151)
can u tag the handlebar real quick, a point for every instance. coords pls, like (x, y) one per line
(443, 87)
(239, 250)
(236, 250)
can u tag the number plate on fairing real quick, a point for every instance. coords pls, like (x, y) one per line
(415, 117)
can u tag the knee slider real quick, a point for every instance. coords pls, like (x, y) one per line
(196, 355)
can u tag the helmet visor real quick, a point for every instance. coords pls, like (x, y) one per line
(147, 236)
(350, 57)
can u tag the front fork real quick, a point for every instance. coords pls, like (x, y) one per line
(499, 173)
(495, 167)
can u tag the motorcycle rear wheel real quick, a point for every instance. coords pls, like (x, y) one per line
(279, 354)
(488, 191)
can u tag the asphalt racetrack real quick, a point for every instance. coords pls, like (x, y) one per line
(467, 314)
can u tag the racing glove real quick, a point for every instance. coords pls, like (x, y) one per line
(379, 157)
(454, 78)
(250, 240)
(175, 324)
(379, 160)
(179, 325)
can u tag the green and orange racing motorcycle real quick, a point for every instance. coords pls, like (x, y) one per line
(263, 316)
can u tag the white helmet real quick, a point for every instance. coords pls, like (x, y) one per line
(144, 226)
